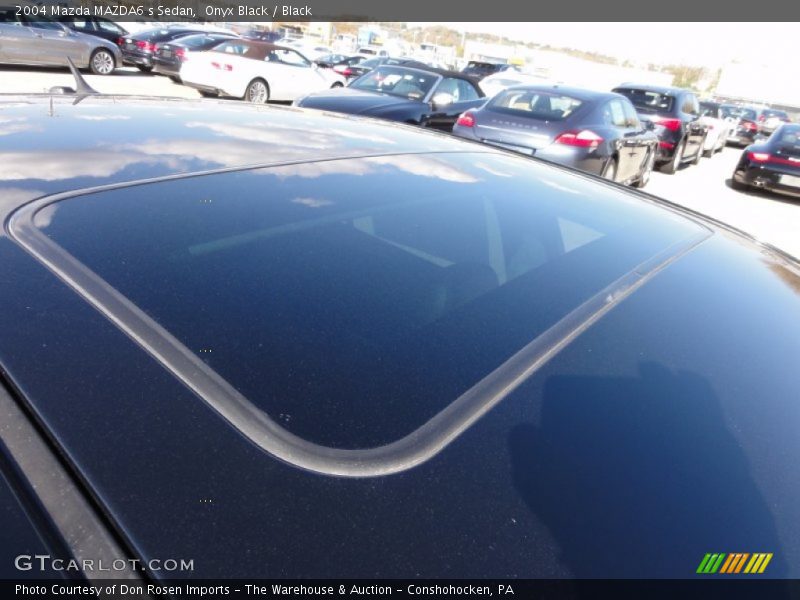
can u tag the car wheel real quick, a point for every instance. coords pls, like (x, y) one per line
(610, 170)
(257, 92)
(644, 178)
(144, 69)
(338, 84)
(672, 166)
(205, 94)
(102, 62)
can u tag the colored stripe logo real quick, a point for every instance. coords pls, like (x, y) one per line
(738, 562)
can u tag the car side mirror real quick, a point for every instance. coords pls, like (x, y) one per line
(443, 99)
(649, 125)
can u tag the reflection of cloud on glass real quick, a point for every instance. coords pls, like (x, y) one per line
(559, 187)
(103, 117)
(11, 125)
(52, 165)
(312, 202)
(426, 165)
(491, 170)
(12, 197)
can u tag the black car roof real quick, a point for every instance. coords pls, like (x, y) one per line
(661, 89)
(575, 92)
(443, 72)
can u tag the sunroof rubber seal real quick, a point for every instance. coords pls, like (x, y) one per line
(405, 453)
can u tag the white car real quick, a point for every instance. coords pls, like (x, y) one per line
(719, 126)
(256, 72)
(496, 83)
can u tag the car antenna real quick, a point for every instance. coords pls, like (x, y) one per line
(82, 88)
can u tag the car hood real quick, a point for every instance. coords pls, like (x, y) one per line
(357, 102)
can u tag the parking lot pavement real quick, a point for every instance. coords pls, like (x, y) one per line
(704, 188)
(770, 218)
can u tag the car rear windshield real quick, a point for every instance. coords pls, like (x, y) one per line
(397, 81)
(535, 104)
(648, 100)
(352, 300)
(789, 137)
(775, 113)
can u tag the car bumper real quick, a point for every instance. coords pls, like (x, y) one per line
(765, 179)
(166, 67)
(133, 58)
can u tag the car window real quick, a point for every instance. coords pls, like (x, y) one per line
(84, 25)
(631, 118)
(461, 90)
(108, 26)
(8, 16)
(40, 23)
(789, 138)
(434, 271)
(615, 114)
(648, 100)
(710, 110)
(535, 104)
(397, 81)
(287, 57)
(233, 47)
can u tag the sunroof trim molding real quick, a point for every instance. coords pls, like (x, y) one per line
(405, 453)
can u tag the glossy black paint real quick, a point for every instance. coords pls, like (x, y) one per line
(627, 148)
(664, 431)
(424, 112)
(143, 58)
(677, 145)
(773, 164)
(479, 69)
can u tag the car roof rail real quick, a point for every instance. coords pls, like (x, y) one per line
(81, 89)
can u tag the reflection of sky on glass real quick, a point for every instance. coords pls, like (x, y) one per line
(102, 140)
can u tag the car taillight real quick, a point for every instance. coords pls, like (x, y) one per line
(343, 70)
(146, 46)
(761, 118)
(758, 156)
(120, 41)
(667, 123)
(221, 67)
(582, 139)
(180, 53)
(466, 119)
(749, 125)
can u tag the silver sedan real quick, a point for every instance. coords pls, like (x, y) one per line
(26, 41)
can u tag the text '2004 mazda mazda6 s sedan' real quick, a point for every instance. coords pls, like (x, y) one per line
(283, 343)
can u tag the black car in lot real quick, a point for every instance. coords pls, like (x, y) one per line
(419, 96)
(675, 114)
(169, 57)
(96, 26)
(368, 351)
(139, 49)
(597, 132)
(480, 69)
(773, 164)
(770, 119)
(746, 131)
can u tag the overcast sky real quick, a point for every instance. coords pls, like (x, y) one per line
(701, 44)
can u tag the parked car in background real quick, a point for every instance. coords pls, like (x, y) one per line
(745, 131)
(492, 84)
(419, 96)
(256, 72)
(348, 67)
(310, 50)
(772, 164)
(480, 69)
(770, 119)
(45, 42)
(365, 66)
(97, 26)
(329, 60)
(719, 126)
(139, 49)
(170, 57)
(675, 114)
(596, 132)
(290, 345)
